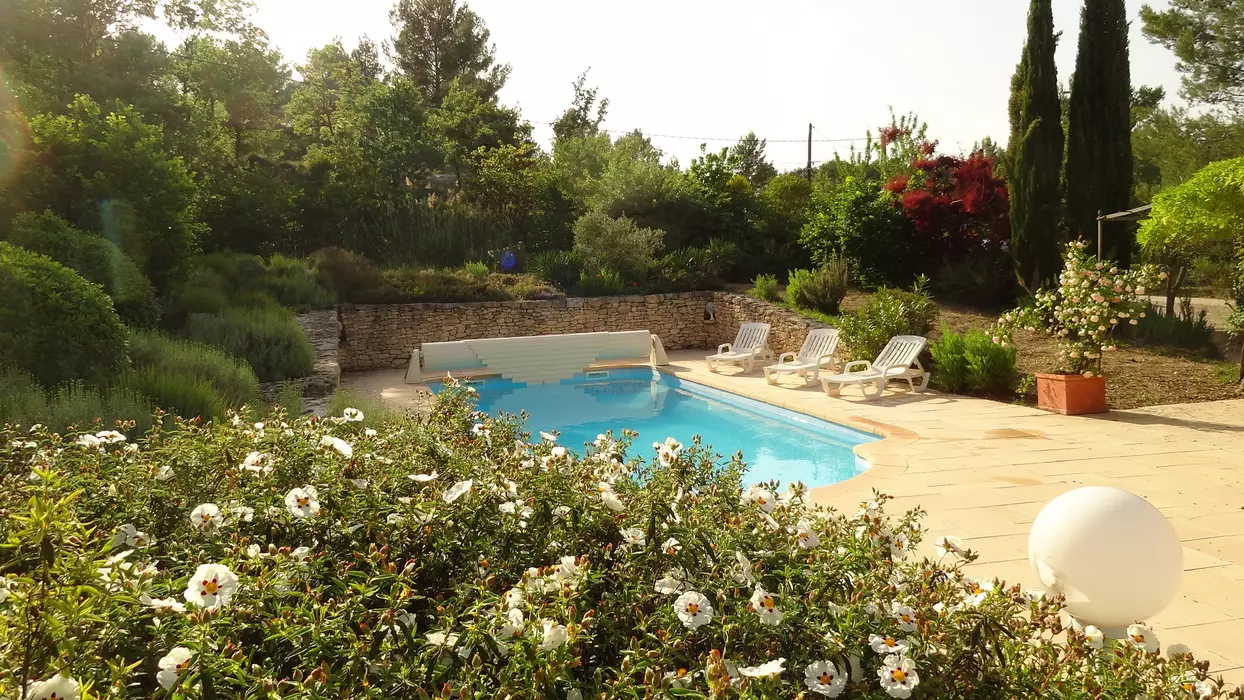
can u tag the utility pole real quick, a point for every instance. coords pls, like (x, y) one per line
(809, 152)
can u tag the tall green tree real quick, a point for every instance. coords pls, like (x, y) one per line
(1036, 154)
(1207, 37)
(440, 41)
(1099, 133)
(585, 114)
(747, 158)
(109, 172)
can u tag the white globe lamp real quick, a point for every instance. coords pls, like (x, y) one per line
(1110, 553)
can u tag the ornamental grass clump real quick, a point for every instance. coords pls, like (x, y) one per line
(455, 556)
(1092, 300)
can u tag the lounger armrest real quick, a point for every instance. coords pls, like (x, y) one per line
(820, 361)
(725, 347)
(782, 360)
(863, 365)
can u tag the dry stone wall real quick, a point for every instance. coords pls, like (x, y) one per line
(383, 336)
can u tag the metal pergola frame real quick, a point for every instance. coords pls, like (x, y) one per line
(1137, 214)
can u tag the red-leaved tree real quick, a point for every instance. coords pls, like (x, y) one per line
(956, 205)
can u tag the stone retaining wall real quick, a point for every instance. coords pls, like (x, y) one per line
(382, 336)
(324, 332)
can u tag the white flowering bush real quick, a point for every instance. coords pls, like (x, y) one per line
(454, 557)
(1093, 299)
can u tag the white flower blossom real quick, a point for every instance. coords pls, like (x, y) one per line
(667, 452)
(341, 446)
(693, 609)
(212, 586)
(514, 598)
(898, 676)
(825, 677)
(760, 496)
(888, 645)
(422, 478)
(742, 570)
(769, 669)
(555, 635)
(765, 607)
(671, 547)
(457, 490)
(258, 463)
(171, 665)
(164, 473)
(904, 616)
(110, 436)
(1143, 637)
(1094, 637)
(242, 513)
(673, 582)
(1194, 687)
(633, 536)
(805, 536)
(162, 603)
(57, 687)
(352, 415)
(207, 516)
(441, 639)
(611, 500)
(87, 440)
(303, 502)
(129, 536)
(977, 591)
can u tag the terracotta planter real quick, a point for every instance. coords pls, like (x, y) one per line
(1071, 394)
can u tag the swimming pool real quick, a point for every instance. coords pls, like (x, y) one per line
(776, 443)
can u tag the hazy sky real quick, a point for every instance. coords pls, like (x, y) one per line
(718, 69)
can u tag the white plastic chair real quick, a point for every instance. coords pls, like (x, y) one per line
(894, 362)
(816, 354)
(750, 344)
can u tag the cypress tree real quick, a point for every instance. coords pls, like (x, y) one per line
(1099, 131)
(1037, 154)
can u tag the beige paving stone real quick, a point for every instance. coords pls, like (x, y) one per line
(983, 470)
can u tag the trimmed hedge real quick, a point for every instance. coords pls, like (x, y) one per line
(270, 341)
(54, 324)
(96, 258)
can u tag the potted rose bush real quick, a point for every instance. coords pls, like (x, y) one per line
(1092, 301)
(458, 557)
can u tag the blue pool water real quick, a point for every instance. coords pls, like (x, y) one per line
(776, 443)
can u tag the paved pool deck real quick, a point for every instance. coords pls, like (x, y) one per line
(983, 470)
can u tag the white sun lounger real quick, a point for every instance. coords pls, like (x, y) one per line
(894, 362)
(749, 345)
(816, 354)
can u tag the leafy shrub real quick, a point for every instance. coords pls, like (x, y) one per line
(493, 577)
(606, 283)
(888, 312)
(294, 282)
(24, 402)
(858, 221)
(765, 288)
(601, 241)
(95, 258)
(54, 324)
(819, 290)
(232, 379)
(688, 269)
(414, 285)
(973, 364)
(558, 267)
(271, 342)
(1186, 329)
(353, 277)
(289, 398)
(178, 392)
(985, 280)
(477, 269)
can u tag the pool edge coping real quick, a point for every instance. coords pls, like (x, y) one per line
(884, 457)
